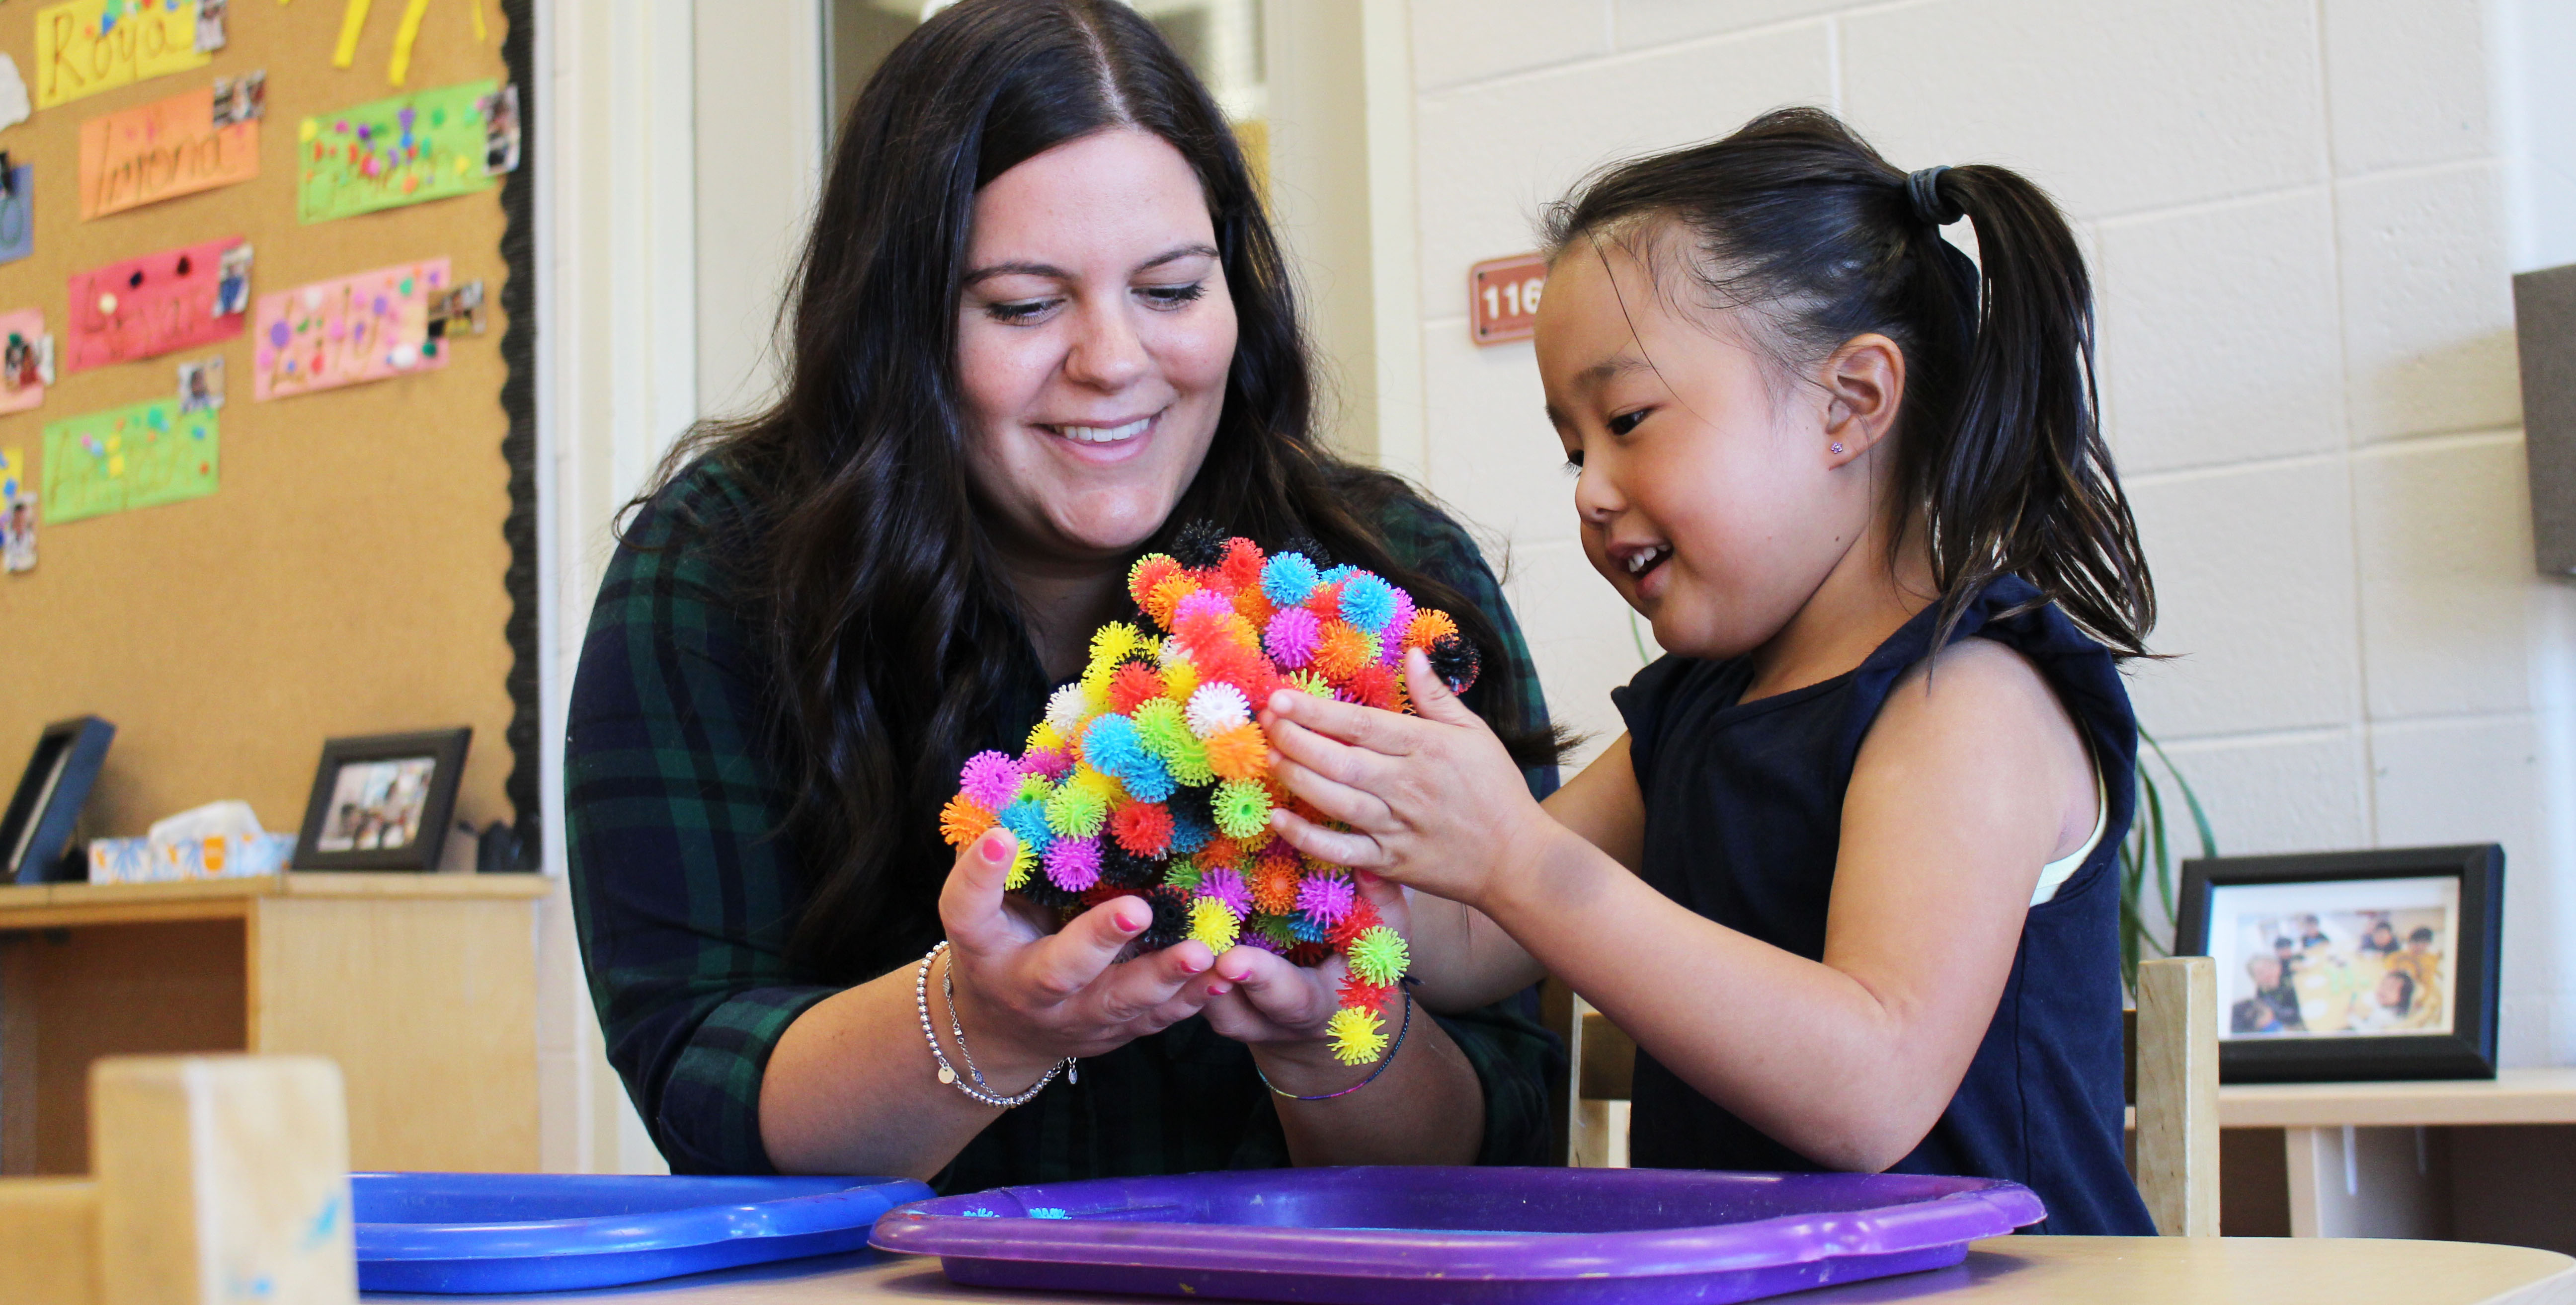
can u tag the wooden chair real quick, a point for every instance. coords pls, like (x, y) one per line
(2173, 1076)
(1593, 1122)
(2173, 1072)
(216, 1179)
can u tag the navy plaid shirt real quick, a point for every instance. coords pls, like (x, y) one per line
(685, 894)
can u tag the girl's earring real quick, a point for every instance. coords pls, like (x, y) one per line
(1837, 448)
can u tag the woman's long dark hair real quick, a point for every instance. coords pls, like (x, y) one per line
(892, 630)
(1798, 222)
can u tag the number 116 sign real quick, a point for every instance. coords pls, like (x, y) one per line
(1502, 297)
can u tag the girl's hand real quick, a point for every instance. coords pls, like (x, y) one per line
(1279, 1009)
(1030, 997)
(1432, 802)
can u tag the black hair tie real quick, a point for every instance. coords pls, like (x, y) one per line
(1923, 195)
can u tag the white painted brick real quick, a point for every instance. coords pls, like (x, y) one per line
(2297, 794)
(1493, 455)
(1457, 41)
(2446, 577)
(1490, 157)
(1643, 24)
(2428, 303)
(2220, 333)
(2535, 1028)
(2112, 107)
(1579, 634)
(2253, 575)
(2477, 781)
(2406, 83)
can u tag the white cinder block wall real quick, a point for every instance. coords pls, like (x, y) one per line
(2298, 217)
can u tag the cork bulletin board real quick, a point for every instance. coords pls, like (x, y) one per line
(348, 550)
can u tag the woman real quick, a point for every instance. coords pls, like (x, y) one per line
(1041, 325)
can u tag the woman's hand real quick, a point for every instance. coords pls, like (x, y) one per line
(1030, 997)
(1433, 802)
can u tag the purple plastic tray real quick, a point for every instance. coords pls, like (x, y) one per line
(1398, 1236)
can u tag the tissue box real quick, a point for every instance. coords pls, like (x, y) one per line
(225, 856)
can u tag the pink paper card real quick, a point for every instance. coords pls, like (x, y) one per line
(359, 328)
(156, 304)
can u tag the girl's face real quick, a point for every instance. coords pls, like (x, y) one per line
(1706, 483)
(1094, 337)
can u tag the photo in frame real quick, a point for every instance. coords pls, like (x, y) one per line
(383, 802)
(2348, 966)
(37, 830)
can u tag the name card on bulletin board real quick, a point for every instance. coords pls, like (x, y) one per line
(1502, 297)
(88, 46)
(148, 306)
(142, 455)
(162, 150)
(359, 328)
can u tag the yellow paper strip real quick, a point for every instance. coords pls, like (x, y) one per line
(480, 35)
(87, 46)
(353, 20)
(403, 38)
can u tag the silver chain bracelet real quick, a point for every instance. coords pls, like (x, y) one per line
(948, 991)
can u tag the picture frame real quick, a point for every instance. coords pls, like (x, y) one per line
(383, 801)
(2350, 966)
(37, 830)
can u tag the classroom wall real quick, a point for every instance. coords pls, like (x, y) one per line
(2302, 217)
(346, 577)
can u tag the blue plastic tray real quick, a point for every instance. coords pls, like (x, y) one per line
(475, 1233)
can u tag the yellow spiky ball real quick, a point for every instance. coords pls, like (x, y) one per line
(1359, 1036)
(1214, 923)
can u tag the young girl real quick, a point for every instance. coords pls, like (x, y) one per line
(1847, 878)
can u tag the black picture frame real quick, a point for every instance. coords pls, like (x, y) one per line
(443, 749)
(2467, 1051)
(37, 831)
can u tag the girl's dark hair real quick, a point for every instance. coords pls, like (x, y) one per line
(891, 630)
(1797, 221)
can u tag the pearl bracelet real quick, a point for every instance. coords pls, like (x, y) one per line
(921, 1006)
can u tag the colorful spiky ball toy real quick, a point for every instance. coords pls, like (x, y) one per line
(1150, 774)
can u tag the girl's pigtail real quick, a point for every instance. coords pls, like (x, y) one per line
(2021, 482)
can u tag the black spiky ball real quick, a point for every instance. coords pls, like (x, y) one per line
(1043, 891)
(1199, 546)
(1192, 804)
(1314, 551)
(1456, 662)
(1124, 869)
(1171, 919)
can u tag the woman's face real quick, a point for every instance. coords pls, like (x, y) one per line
(1094, 337)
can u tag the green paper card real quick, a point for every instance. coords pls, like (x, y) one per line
(141, 456)
(410, 149)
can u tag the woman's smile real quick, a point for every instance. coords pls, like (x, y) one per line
(1103, 441)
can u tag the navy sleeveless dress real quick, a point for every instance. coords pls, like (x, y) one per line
(1743, 819)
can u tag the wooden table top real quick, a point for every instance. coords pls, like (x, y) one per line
(2513, 1096)
(2094, 1270)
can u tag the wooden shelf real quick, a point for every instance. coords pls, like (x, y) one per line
(421, 986)
(2514, 1096)
(38, 906)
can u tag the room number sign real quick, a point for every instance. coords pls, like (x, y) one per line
(1502, 297)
